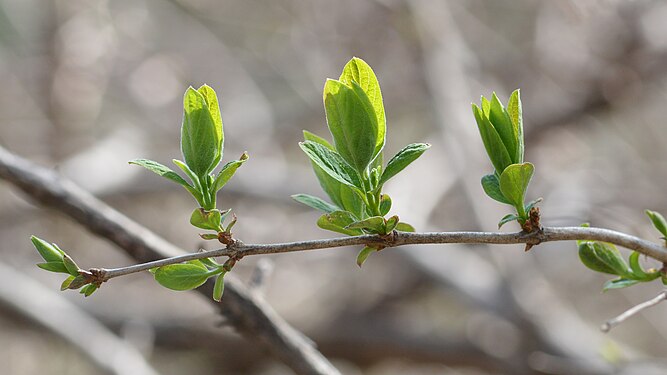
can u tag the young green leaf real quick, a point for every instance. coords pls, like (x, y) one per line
(514, 182)
(308, 136)
(206, 219)
(88, 290)
(214, 108)
(351, 122)
(315, 203)
(495, 148)
(337, 221)
(532, 204)
(48, 252)
(66, 283)
(219, 287)
(228, 171)
(404, 227)
(501, 121)
(76, 283)
(514, 112)
(332, 164)
(69, 264)
(357, 70)
(53, 267)
(589, 258)
(193, 177)
(161, 170)
(182, 276)
(385, 204)
(201, 138)
(491, 187)
(373, 224)
(638, 272)
(619, 283)
(402, 159)
(390, 224)
(659, 221)
(364, 254)
(506, 219)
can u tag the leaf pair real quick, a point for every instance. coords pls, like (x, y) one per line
(202, 141)
(58, 261)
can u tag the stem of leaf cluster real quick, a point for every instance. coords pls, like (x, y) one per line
(547, 234)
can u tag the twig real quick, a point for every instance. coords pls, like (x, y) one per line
(611, 323)
(403, 238)
(250, 315)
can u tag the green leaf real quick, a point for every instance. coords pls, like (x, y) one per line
(638, 272)
(228, 171)
(364, 254)
(69, 264)
(48, 252)
(308, 136)
(161, 170)
(209, 262)
(184, 167)
(391, 224)
(501, 121)
(88, 290)
(515, 113)
(53, 267)
(385, 204)
(514, 182)
(76, 283)
(206, 219)
(66, 283)
(659, 221)
(491, 187)
(352, 123)
(532, 204)
(219, 287)
(402, 159)
(589, 258)
(619, 283)
(602, 257)
(506, 219)
(332, 164)
(208, 236)
(373, 224)
(182, 276)
(315, 203)
(495, 148)
(357, 70)
(404, 227)
(214, 108)
(200, 136)
(337, 221)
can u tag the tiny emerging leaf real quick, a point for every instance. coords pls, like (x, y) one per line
(659, 221)
(364, 254)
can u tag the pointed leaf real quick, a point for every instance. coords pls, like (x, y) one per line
(77, 282)
(308, 136)
(618, 284)
(491, 187)
(495, 148)
(228, 171)
(315, 203)
(514, 111)
(402, 159)
(351, 122)
(332, 164)
(219, 287)
(66, 283)
(48, 252)
(659, 221)
(357, 70)
(337, 221)
(506, 219)
(373, 224)
(69, 264)
(385, 204)
(200, 138)
(53, 267)
(214, 108)
(88, 290)
(532, 204)
(514, 182)
(404, 227)
(161, 170)
(181, 276)
(501, 121)
(391, 224)
(364, 254)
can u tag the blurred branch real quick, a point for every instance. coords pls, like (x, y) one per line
(611, 323)
(107, 351)
(250, 314)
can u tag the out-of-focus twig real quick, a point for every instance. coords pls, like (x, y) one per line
(611, 323)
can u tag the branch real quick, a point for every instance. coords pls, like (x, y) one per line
(611, 323)
(249, 314)
(238, 249)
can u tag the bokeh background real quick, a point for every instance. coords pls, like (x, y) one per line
(88, 85)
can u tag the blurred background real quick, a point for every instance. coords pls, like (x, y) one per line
(87, 86)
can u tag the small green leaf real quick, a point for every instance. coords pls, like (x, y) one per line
(48, 252)
(385, 204)
(402, 159)
(495, 148)
(352, 123)
(391, 224)
(404, 227)
(206, 219)
(501, 121)
(589, 258)
(182, 276)
(619, 283)
(214, 108)
(514, 112)
(337, 221)
(200, 136)
(69, 264)
(161, 170)
(209, 262)
(364, 254)
(357, 70)
(373, 224)
(66, 283)
(88, 290)
(219, 287)
(491, 187)
(603, 257)
(332, 164)
(506, 219)
(532, 204)
(53, 267)
(514, 182)
(208, 236)
(315, 202)
(77, 282)
(228, 171)
(659, 221)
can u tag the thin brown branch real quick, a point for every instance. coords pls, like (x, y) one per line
(611, 323)
(251, 315)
